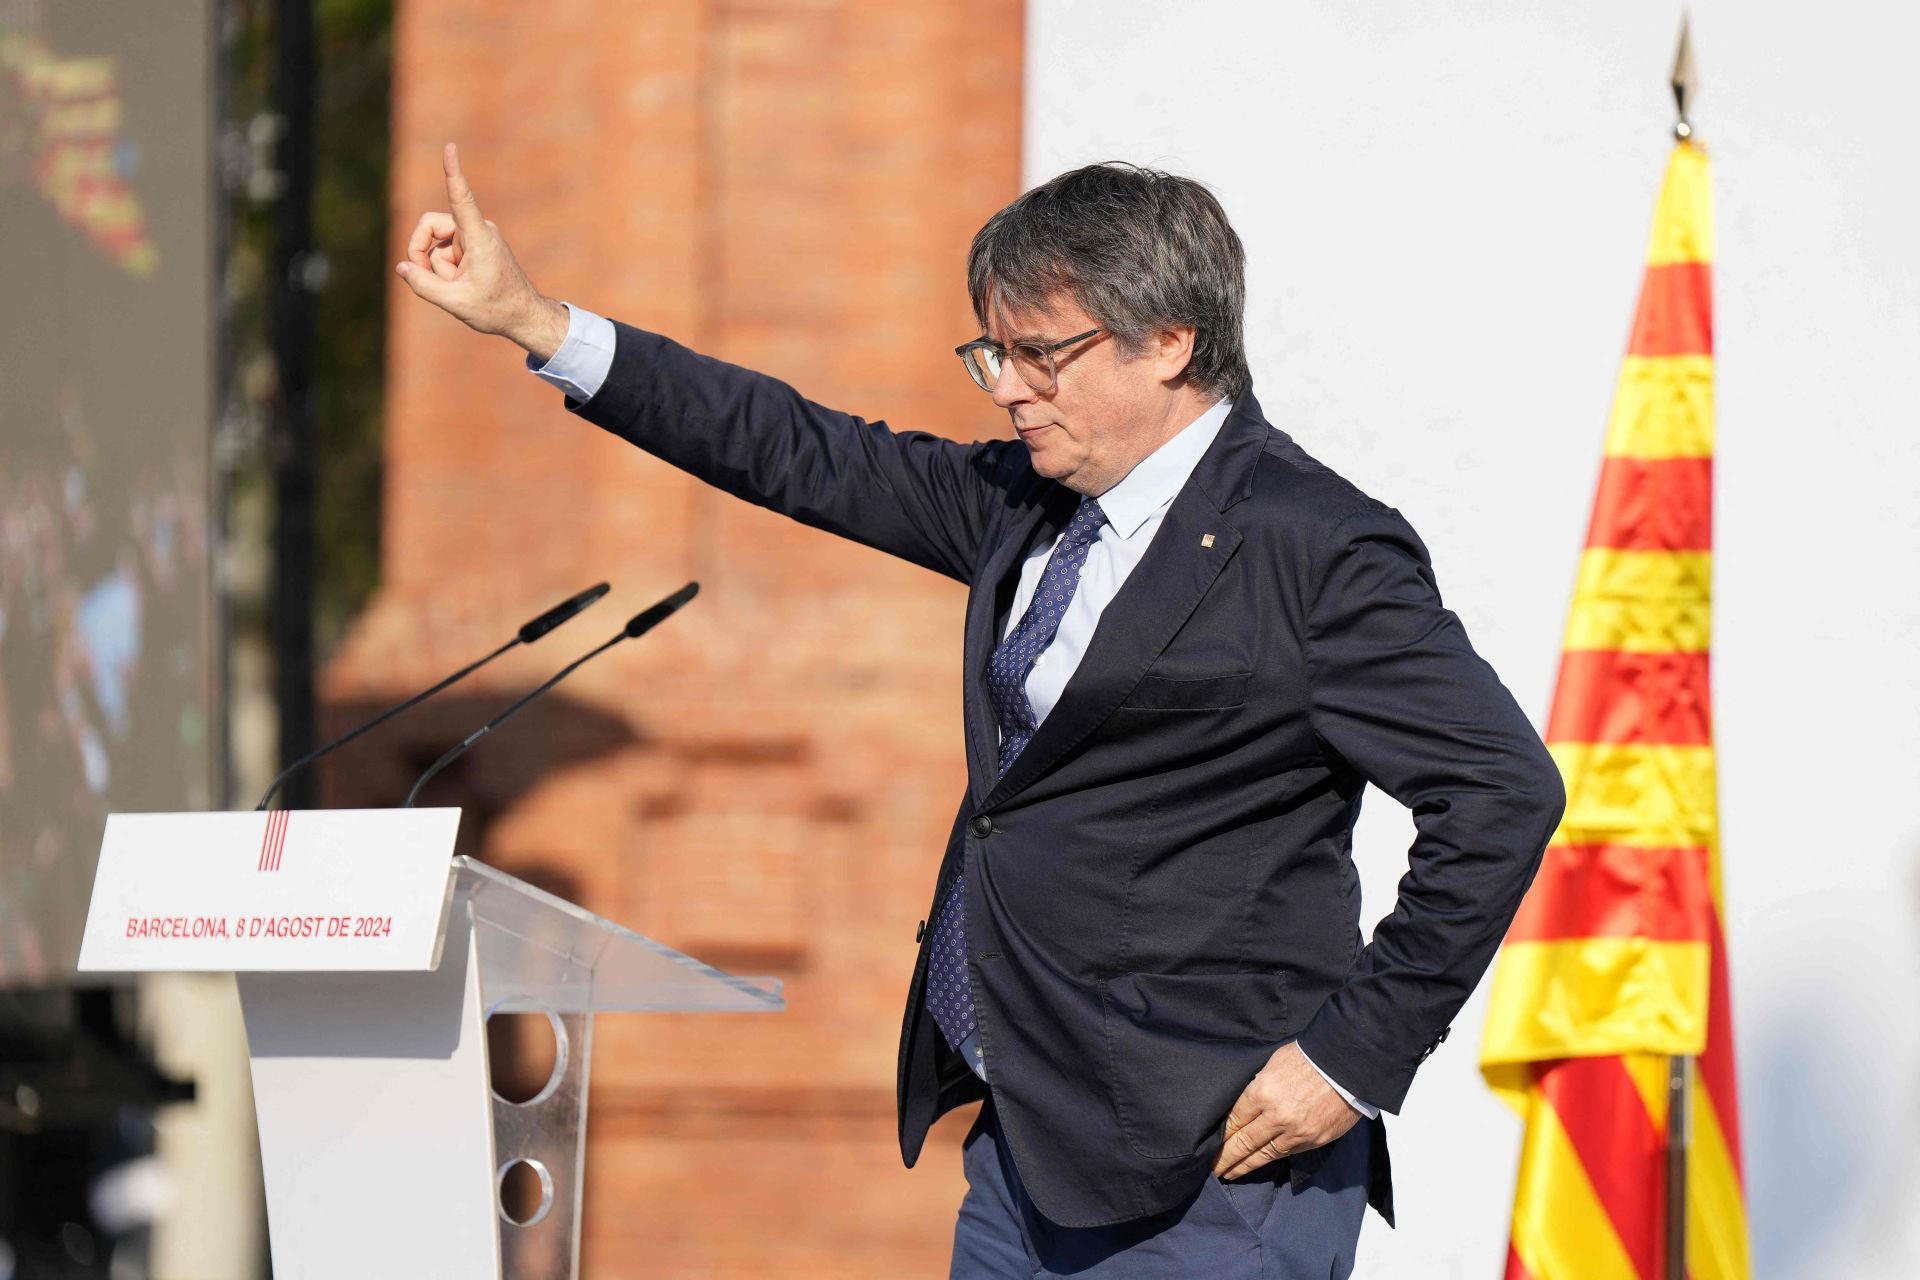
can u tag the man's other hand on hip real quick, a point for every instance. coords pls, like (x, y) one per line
(1288, 1107)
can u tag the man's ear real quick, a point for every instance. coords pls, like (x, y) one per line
(1174, 351)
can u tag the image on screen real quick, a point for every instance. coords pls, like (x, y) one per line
(106, 404)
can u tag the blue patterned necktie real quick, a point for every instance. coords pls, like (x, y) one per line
(949, 994)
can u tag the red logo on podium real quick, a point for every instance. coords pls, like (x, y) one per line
(275, 842)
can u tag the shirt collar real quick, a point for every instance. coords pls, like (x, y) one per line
(1156, 478)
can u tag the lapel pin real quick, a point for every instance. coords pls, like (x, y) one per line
(1206, 539)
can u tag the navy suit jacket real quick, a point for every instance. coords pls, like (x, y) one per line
(1161, 889)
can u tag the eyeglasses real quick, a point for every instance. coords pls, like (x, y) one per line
(1033, 361)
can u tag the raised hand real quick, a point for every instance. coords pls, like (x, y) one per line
(460, 262)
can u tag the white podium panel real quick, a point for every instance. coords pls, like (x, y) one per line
(375, 1115)
(382, 1141)
(354, 889)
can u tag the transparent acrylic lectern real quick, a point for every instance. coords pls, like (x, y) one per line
(368, 959)
(383, 1143)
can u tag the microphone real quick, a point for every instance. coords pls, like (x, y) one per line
(638, 625)
(566, 609)
(528, 633)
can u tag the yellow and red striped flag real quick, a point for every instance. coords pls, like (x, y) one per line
(1617, 959)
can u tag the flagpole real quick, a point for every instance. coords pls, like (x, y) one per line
(1679, 1072)
(1679, 1103)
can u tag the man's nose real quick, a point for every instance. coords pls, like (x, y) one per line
(1010, 389)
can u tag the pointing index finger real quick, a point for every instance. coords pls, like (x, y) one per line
(466, 210)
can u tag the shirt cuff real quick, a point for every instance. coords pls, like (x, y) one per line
(1370, 1112)
(580, 366)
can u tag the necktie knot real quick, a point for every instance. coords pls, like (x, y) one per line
(1086, 522)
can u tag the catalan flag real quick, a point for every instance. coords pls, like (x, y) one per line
(1617, 959)
(82, 158)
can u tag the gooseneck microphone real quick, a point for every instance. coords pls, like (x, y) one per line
(638, 625)
(528, 633)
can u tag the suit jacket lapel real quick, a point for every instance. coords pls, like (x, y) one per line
(1156, 600)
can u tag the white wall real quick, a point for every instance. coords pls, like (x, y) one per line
(1445, 208)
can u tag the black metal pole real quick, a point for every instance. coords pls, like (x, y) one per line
(293, 551)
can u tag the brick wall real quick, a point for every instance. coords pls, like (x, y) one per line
(765, 782)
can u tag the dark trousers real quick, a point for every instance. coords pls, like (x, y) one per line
(1254, 1228)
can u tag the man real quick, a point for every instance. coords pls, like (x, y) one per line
(1189, 646)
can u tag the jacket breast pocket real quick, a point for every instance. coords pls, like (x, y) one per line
(1189, 693)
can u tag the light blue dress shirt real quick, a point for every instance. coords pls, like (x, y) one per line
(1135, 508)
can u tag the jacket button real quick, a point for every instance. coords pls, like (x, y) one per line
(920, 931)
(981, 827)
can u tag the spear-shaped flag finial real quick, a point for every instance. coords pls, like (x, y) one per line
(1684, 80)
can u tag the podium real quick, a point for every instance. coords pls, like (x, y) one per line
(368, 959)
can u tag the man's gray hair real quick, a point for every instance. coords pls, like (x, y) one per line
(1137, 249)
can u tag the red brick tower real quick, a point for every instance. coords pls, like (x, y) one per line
(765, 782)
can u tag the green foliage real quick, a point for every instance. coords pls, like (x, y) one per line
(353, 92)
(355, 44)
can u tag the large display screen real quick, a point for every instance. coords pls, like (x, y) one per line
(107, 400)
